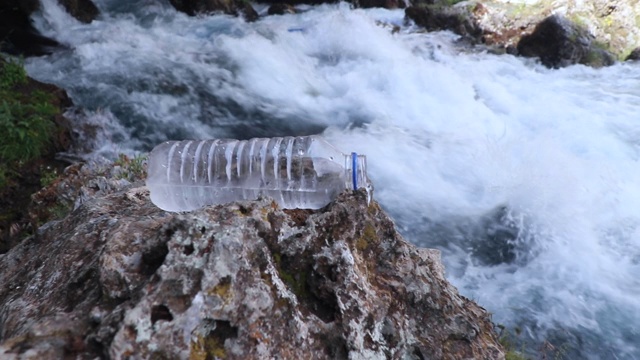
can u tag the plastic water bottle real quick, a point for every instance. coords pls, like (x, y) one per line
(298, 172)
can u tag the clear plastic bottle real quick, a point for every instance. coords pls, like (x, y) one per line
(298, 172)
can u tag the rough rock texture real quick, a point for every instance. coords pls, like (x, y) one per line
(558, 43)
(232, 7)
(119, 278)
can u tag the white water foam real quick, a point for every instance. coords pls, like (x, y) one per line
(526, 178)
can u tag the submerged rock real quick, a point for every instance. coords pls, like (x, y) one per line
(121, 278)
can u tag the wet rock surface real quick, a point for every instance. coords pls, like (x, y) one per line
(120, 278)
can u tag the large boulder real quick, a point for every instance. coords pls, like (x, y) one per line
(119, 277)
(558, 43)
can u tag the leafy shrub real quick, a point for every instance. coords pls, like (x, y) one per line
(25, 120)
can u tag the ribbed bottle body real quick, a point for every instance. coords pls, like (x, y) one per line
(298, 172)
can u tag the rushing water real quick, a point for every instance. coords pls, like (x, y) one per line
(527, 179)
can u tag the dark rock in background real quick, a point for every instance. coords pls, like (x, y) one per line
(119, 277)
(559, 43)
(281, 9)
(232, 7)
(83, 10)
(438, 17)
(18, 36)
(387, 4)
(634, 55)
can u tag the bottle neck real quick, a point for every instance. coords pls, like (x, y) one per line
(356, 171)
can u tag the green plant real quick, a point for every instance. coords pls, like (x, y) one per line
(451, 2)
(12, 73)
(60, 210)
(26, 128)
(507, 340)
(47, 176)
(133, 168)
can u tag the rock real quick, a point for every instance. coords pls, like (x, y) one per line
(119, 277)
(232, 7)
(298, 2)
(281, 9)
(559, 43)
(83, 10)
(387, 4)
(634, 55)
(434, 17)
(18, 36)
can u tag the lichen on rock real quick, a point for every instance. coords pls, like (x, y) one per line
(121, 278)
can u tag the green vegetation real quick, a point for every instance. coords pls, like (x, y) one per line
(453, 2)
(508, 341)
(132, 169)
(296, 281)
(25, 121)
(516, 347)
(47, 176)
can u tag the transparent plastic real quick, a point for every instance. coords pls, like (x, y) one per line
(297, 172)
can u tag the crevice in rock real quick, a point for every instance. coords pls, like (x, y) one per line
(188, 249)
(160, 312)
(224, 330)
(307, 285)
(153, 258)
